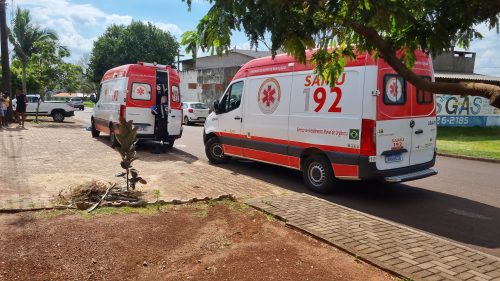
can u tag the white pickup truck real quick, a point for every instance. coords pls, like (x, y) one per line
(57, 109)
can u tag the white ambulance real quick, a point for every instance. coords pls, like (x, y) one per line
(130, 91)
(371, 124)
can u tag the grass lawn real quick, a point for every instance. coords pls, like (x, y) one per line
(471, 141)
(88, 104)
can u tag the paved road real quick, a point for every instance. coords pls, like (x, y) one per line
(462, 203)
(84, 115)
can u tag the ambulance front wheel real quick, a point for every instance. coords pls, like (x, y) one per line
(215, 152)
(93, 129)
(318, 174)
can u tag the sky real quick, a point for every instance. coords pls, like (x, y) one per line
(79, 22)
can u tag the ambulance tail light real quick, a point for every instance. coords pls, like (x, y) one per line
(368, 139)
(123, 111)
(190, 110)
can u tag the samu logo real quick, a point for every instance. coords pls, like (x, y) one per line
(269, 95)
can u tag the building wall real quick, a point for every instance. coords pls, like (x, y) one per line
(229, 60)
(210, 83)
(458, 111)
(458, 62)
(190, 90)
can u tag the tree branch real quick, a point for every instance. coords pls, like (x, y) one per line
(489, 91)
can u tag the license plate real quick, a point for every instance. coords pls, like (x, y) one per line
(393, 158)
(141, 128)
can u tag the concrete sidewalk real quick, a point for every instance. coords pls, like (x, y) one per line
(42, 160)
(410, 253)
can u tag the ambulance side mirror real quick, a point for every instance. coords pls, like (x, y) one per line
(216, 107)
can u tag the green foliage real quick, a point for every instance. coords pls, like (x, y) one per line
(340, 28)
(27, 37)
(38, 58)
(129, 44)
(156, 193)
(190, 39)
(50, 70)
(109, 211)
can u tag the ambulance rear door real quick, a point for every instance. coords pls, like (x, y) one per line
(394, 125)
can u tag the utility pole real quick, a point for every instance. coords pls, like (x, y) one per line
(4, 46)
(178, 59)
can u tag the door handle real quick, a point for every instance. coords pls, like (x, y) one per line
(173, 116)
(237, 118)
(419, 131)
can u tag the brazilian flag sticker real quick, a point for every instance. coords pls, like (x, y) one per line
(354, 134)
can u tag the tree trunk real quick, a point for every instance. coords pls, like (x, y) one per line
(128, 172)
(23, 78)
(489, 91)
(4, 42)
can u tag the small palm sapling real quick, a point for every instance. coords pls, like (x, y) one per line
(127, 139)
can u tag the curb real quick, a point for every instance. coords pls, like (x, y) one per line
(118, 204)
(469, 158)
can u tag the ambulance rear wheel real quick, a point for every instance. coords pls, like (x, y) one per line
(318, 174)
(215, 152)
(170, 144)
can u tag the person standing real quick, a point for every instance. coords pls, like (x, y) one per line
(21, 107)
(160, 111)
(8, 112)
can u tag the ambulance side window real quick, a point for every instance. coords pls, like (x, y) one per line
(98, 98)
(394, 90)
(424, 97)
(141, 91)
(232, 98)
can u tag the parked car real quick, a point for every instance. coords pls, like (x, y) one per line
(129, 91)
(194, 112)
(76, 103)
(371, 124)
(57, 109)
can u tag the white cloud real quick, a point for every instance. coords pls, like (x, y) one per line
(486, 49)
(117, 19)
(72, 21)
(170, 27)
(244, 46)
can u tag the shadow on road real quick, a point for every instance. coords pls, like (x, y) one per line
(448, 216)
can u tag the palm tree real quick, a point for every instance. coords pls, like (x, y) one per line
(24, 34)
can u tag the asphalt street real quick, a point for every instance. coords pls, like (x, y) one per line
(461, 203)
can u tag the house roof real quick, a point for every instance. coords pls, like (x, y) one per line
(466, 76)
(252, 53)
(249, 53)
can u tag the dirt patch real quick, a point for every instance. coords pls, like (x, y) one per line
(94, 193)
(222, 241)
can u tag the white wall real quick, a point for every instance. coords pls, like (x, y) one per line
(190, 76)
